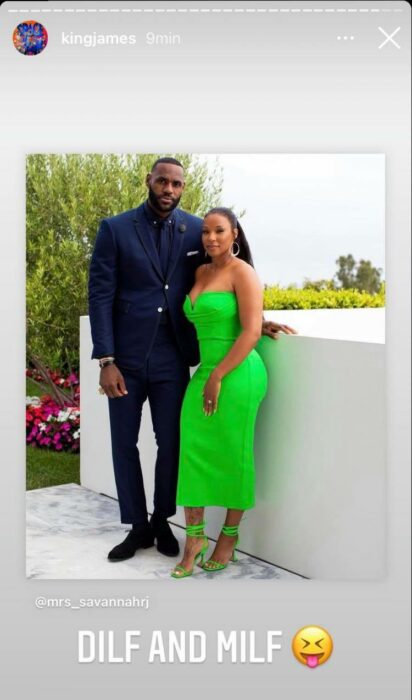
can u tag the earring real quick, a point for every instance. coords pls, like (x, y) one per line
(238, 248)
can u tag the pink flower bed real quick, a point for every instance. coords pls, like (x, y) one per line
(49, 425)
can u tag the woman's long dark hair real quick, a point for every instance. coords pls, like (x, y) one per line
(244, 249)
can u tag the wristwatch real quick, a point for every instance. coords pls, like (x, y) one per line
(105, 361)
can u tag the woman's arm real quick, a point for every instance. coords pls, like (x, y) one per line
(250, 301)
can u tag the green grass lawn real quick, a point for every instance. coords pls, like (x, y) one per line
(32, 389)
(45, 467)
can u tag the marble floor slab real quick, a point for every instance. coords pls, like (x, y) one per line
(70, 530)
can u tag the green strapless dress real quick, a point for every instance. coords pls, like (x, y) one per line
(216, 465)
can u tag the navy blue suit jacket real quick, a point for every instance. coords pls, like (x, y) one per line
(127, 287)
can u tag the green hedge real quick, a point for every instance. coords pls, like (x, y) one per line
(276, 298)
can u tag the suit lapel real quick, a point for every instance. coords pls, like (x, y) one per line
(178, 236)
(147, 240)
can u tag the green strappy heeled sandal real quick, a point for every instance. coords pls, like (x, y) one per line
(211, 564)
(192, 531)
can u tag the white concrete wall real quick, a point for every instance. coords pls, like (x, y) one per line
(360, 325)
(319, 446)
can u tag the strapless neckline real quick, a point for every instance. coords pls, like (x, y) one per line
(211, 291)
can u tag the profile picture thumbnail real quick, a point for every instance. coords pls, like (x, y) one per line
(30, 38)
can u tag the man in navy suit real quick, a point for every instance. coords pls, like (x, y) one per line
(142, 266)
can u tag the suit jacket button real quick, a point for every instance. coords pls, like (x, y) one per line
(160, 309)
(166, 286)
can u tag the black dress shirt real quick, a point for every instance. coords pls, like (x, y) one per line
(163, 232)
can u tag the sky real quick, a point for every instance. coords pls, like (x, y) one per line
(302, 211)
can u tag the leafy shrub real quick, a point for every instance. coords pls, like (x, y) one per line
(276, 298)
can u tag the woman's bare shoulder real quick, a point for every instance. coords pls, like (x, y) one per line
(244, 273)
(200, 271)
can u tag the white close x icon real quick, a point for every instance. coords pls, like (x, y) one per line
(389, 38)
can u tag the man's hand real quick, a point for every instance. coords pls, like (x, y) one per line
(112, 382)
(272, 329)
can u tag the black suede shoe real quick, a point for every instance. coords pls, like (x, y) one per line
(166, 542)
(133, 542)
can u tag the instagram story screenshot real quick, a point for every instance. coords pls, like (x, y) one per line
(205, 314)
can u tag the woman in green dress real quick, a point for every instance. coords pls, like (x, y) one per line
(216, 466)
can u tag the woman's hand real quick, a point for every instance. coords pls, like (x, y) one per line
(272, 329)
(210, 394)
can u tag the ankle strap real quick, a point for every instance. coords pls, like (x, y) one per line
(230, 530)
(195, 530)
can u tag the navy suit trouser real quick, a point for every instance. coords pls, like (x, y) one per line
(163, 381)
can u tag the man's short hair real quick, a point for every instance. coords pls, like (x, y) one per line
(171, 161)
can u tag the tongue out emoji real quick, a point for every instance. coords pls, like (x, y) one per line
(312, 646)
(312, 660)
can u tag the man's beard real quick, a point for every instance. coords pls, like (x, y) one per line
(159, 206)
